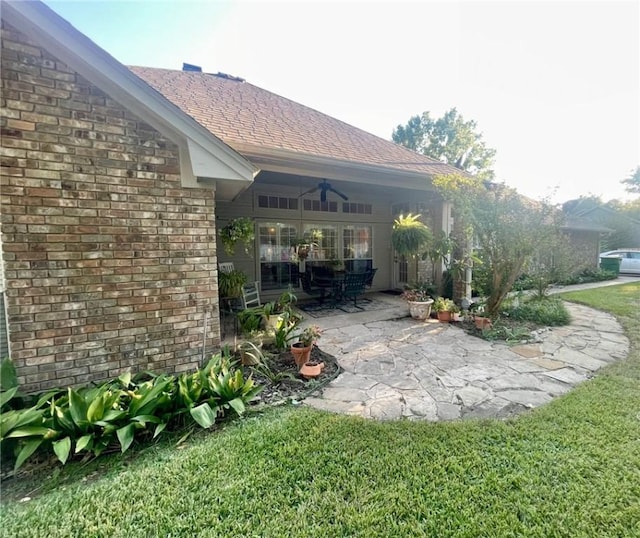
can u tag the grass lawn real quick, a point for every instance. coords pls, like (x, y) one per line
(570, 468)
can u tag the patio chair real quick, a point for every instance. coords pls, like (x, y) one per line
(305, 280)
(370, 274)
(251, 295)
(353, 287)
(225, 267)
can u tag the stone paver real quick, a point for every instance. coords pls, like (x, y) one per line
(403, 368)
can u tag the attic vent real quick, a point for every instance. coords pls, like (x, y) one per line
(229, 77)
(191, 67)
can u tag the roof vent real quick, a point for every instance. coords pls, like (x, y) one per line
(229, 77)
(191, 67)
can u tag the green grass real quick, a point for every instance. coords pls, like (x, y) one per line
(571, 468)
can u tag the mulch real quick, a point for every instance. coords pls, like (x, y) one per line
(298, 387)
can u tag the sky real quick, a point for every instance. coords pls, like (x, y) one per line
(554, 87)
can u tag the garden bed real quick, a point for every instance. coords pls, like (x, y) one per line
(292, 388)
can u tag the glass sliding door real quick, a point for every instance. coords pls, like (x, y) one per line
(278, 264)
(356, 248)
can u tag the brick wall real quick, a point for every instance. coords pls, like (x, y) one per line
(110, 263)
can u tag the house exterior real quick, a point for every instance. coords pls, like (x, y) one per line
(583, 241)
(108, 198)
(296, 149)
(114, 183)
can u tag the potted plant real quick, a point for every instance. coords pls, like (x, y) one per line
(237, 230)
(273, 310)
(230, 283)
(301, 350)
(481, 322)
(410, 237)
(419, 301)
(445, 308)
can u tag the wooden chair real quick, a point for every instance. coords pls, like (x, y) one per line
(353, 287)
(225, 267)
(251, 295)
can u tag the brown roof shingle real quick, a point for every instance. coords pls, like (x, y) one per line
(242, 114)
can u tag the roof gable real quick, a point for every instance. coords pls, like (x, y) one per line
(203, 154)
(257, 122)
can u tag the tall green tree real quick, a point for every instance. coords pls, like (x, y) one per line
(449, 139)
(509, 229)
(632, 183)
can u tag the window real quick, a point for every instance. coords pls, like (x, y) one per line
(356, 248)
(359, 209)
(278, 266)
(317, 205)
(277, 202)
(323, 239)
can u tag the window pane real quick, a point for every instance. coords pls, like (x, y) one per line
(278, 269)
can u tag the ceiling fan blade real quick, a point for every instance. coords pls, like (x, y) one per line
(310, 191)
(323, 195)
(344, 197)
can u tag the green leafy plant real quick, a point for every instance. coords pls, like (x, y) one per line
(265, 369)
(92, 419)
(251, 319)
(440, 304)
(237, 230)
(230, 283)
(228, 384)
(419, 292)
(283, 330)
(548, 311)
(410, 237)
(510, 334)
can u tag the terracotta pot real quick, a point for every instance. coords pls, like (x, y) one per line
(300, 354)
(420, 309)
(482, 323)
(311, 369)
(445, 316)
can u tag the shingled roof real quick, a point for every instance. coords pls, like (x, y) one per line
(249, 118)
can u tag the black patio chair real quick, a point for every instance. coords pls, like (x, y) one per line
(354, 285)
(370, 274)
(305, 280)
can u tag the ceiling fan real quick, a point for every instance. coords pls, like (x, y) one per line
(324, 186)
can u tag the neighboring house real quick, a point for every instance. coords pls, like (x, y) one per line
(584, 240)
(111, 193)
(624, 231)
(108, 197)
(296, 149)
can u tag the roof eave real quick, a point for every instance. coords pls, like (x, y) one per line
(293, 162)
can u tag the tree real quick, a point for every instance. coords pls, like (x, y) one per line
(449, 139)
(508, 228)
(632, 183)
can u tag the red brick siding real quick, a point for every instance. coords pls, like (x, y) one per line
(110, 263)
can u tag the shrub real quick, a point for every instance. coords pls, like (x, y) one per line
(542, 311)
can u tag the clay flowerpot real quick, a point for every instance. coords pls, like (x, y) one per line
(445, 316)
(420, 309)
(300, 354)
(482, 323)
(311, 369)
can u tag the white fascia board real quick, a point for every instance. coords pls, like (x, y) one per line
(285, 161)
(100, 68)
